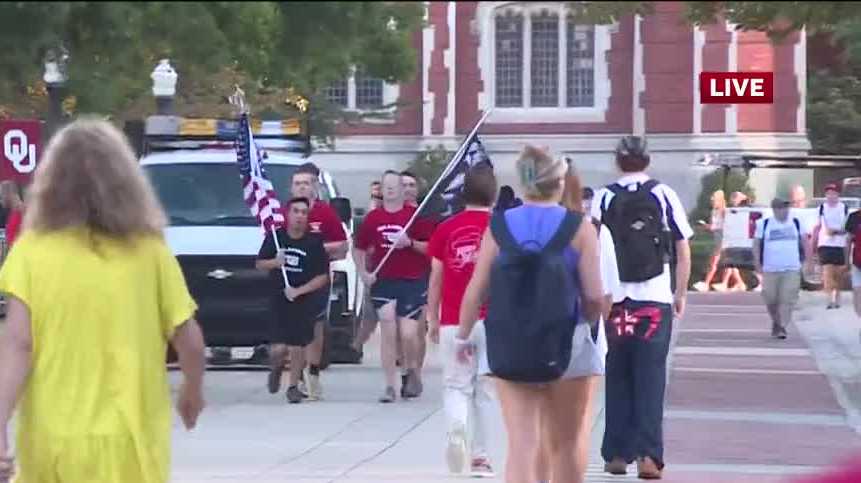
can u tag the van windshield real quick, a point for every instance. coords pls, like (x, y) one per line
(211, 193)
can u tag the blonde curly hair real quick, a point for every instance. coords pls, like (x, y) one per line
(89, 178)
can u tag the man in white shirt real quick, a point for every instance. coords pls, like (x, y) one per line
(652, 225)
(779, 246)
(830, 234)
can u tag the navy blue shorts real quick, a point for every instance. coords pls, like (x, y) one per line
(320, 304)
(409, 295)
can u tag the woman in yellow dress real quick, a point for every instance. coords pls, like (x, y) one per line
(94, 297)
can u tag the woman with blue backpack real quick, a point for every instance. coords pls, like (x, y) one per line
(538, 270)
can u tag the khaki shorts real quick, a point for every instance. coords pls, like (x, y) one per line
(781, 287)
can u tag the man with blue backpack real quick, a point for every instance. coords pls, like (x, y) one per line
(648, 224)
(779, 248)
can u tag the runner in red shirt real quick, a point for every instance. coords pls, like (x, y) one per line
(399, 289)
(323, 220)
(453, 249)
(10, 198)
(411, 197)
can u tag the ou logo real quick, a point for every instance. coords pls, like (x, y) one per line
(19, 152)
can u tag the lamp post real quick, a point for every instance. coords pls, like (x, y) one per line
(55, 78)
(164, 79)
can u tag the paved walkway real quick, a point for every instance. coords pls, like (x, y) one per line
(742, 407)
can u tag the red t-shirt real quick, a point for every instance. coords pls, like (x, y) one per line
(13, 225)
(323, 220)
(455, 243)
(380, 230)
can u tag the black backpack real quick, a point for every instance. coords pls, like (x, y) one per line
(534, 305)
(636, 222)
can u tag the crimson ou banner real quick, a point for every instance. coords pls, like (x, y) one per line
(21, 148)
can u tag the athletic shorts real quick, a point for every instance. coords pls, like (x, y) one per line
(321, 304)
(369, 312)
(292, 323)
(856, 277)
(831, 256)
(409, 295)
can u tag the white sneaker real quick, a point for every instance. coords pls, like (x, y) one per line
(456, 452)
(701, 287)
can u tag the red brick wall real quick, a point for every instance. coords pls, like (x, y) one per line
(756, 53)
(408, 118)
(668, 64)
(469, 84)
(468, 80)
(438, 74)
(716, 59)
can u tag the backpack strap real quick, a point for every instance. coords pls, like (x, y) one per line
(501, 233)
(800, 242)
(762, 243)
(650, 185)
(822, 210)
(566, 231)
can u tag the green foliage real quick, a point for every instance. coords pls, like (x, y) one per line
(735, 181)
(266, 47)
(429, 164)
(834, 113)
(775, 18)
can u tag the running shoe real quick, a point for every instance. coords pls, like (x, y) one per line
(481, 468)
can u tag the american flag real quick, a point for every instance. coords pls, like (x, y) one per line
(258, 191)
(447, 200)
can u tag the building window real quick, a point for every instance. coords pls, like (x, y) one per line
(580, 43)
(359, 92)
(545, 60)
(509, 60)
(369, 92)
(337, 93)
(540, 54)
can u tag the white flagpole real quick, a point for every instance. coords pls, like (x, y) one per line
(445, 172)
(238, 100)
(278, 249)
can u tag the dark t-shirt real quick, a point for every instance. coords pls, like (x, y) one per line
(306, 259)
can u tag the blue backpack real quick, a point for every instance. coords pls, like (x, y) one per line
(534, 304)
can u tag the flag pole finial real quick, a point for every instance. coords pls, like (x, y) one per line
(237, 99)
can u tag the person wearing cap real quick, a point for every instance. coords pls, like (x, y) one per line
(830, 236)
(639, 327)
(779, 247)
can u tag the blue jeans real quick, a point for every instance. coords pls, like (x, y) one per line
(638, 339)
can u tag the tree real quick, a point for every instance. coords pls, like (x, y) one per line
(429, 164)
(735, 181)
(775, 18)
(274, 50)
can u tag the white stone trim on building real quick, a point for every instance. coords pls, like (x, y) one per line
(699, 45)
(639, 80)
(731, 122)
(428, 39)
(486, 54)
(450, 63)
(800, 59)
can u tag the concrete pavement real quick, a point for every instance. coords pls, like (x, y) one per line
(741, 407)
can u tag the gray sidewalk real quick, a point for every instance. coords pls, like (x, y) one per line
(248, 435)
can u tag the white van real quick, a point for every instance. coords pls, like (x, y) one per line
(192, 166)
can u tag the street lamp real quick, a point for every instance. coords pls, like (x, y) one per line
(164, 79)
(55, 78)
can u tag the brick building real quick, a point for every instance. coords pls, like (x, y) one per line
(576, 89)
